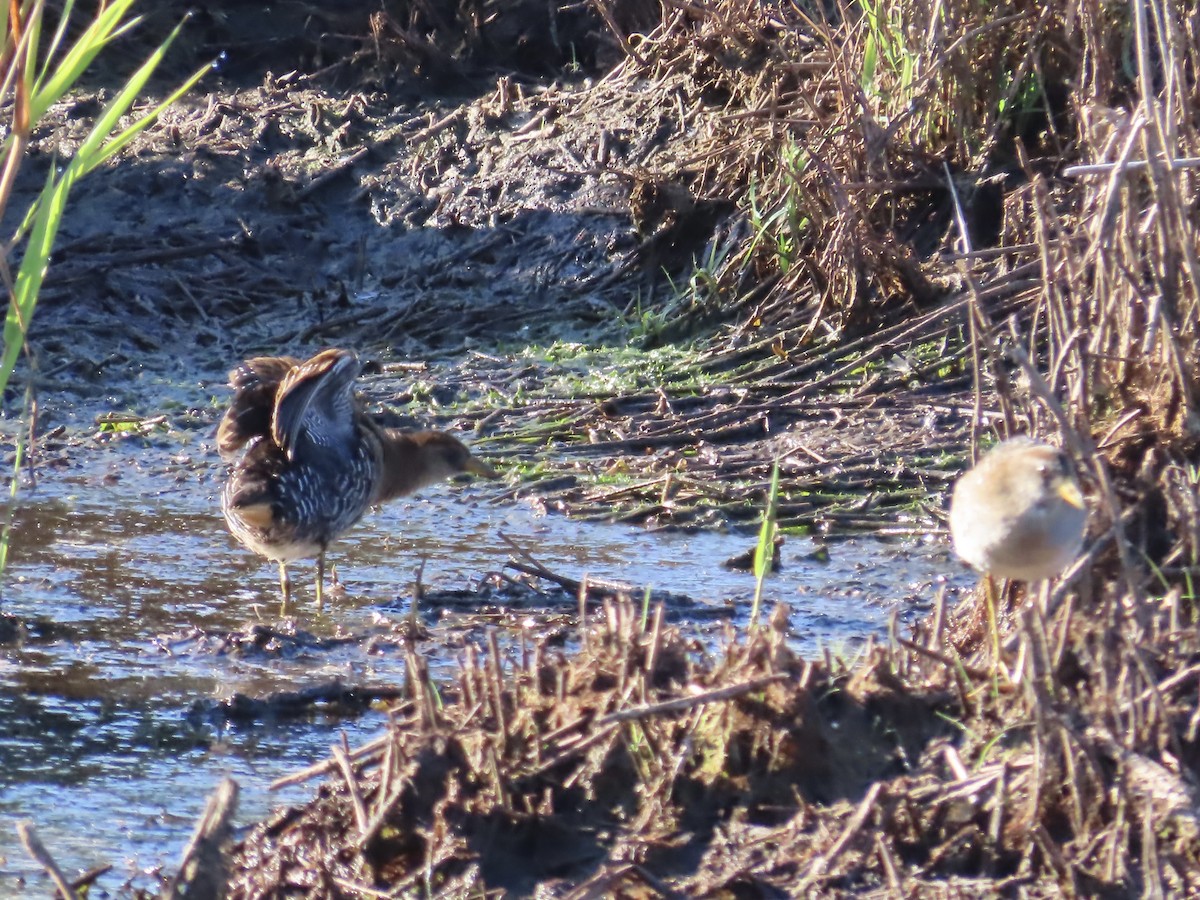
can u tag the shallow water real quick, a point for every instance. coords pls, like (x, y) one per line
(122, 553)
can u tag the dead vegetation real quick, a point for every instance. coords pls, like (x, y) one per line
(901, 175)
(641, 766)
(899, 225)
(635, 762)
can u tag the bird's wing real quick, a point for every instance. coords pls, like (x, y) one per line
(256, 382)
(262, 371)
(321, 386)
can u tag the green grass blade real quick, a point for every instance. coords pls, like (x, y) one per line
(98, 145)
(13, 485)
(117, 143)
(32, 273)
(45, 214)
(870, 56)
(56, 41)
(103, 29)
(764, 552)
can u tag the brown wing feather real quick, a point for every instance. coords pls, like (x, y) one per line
(256, 383)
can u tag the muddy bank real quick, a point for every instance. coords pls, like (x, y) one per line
(618, 771)
(640, 766)
(518, 228)
(770, 234)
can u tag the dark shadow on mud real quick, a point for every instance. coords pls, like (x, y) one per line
(415, 49)
(277, 215)
(221, 270)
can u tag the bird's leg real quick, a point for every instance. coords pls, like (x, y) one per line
(321, 579)
(989, 594)
(1043, 598)
(333, 575)
(285, 585)
(1036, 611)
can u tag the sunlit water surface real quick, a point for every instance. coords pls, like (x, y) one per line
(125, 554)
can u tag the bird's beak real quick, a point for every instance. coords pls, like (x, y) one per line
(1069, 491)
(478, 467)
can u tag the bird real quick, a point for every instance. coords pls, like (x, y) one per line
(1019, 513)
(308, 461)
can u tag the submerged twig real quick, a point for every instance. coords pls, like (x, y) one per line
(35, 848)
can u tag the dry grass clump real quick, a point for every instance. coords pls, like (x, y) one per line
(907, 208)
(449, 39)
(636, 762)
(849, 135)
(1027, 175)
(640, 766)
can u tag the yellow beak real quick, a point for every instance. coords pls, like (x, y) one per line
(1069, 491)
(478, 467)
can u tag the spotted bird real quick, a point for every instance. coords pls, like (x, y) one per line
(308, 460)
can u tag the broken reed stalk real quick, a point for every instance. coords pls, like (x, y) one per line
(204, 870)
(341, 755)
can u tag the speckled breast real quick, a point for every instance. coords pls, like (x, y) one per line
(313, 501)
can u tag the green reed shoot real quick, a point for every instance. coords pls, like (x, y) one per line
(887, 51)
(764, 553)
(32, 79)
(32, 98)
